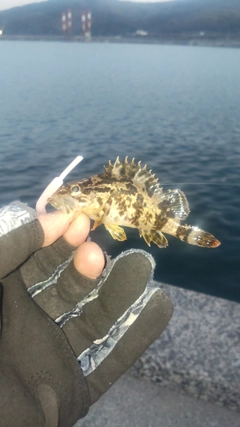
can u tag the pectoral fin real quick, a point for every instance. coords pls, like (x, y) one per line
(102, 212)
(116, 232)
(154, 236)
(97, 222)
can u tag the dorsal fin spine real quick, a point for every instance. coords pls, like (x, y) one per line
(143, 179)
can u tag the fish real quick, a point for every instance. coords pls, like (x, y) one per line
(128, 195)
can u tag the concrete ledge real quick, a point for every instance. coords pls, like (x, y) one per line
(137, 403)
(199, 352)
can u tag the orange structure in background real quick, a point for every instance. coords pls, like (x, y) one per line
(86, 19)
(69, 21)
(84, 27)
(64, 22)
(87, 23)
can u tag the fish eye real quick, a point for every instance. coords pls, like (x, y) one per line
(75, 189)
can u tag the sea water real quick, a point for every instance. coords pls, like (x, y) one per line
(175, 108)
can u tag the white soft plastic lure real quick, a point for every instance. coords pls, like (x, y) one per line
(54, 185)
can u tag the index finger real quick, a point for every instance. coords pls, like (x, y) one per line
(54, 225)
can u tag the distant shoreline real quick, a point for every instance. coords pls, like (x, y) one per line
(133, 40)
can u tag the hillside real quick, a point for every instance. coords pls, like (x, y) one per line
(119, 18)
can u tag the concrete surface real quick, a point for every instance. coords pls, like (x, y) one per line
(138, 403)
(193, 368)
(199, 351)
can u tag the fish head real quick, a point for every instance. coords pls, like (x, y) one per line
(69, 197)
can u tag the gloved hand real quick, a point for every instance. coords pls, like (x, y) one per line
(68, 335)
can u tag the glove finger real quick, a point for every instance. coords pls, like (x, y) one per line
(97, 312)
(47, 261)
(117, 356)
(69, 287)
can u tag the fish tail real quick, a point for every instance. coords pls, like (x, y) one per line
(190, 234)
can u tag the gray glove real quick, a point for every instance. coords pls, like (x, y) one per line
(66, 339)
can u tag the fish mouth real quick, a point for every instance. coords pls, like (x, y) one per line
(64, 203)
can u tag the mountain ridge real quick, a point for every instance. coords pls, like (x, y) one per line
(123, 18)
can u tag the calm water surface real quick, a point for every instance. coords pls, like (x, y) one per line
(175, 108)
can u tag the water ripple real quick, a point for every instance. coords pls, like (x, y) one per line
(174, 108)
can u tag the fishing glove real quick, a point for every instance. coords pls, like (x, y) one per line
(65, 339)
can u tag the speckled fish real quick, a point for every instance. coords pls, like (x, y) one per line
(126, 194)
